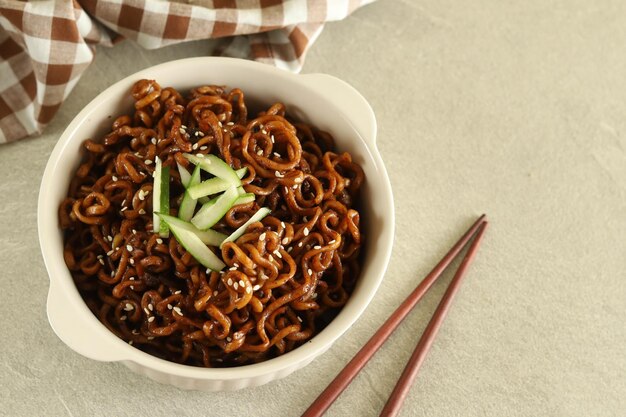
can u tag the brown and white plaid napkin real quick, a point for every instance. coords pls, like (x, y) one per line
(46, 45)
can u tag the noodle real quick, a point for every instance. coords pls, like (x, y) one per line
(286, 276)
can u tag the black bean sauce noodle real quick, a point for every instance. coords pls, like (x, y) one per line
(286, 277)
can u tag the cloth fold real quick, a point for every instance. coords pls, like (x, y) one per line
(45, 46)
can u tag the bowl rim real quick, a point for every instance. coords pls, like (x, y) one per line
(60, 275)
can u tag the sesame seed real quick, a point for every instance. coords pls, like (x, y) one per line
(271, 258)
(123, 202)
(159, 241)
(110, 238)
(141, 195)
(276, 154)
(229, 339)
(178, 292)
(109, 253)
(132, 287)
(278, 174)
(241, 283)
(150, 307)
(215, 293)
(306, 231)
(150, 337)
(123, 209)
(130, 342)
(309, 271)
(112, 273)
(272, 138)
(181, 131)
(128, 307)
(285, 241)
(262, 236)
(305, 218)
(135, 332)
(277, 253)
(300, 244)
(129, 248)
(204, 148)
(256, 287)
(122, 318)
(286, 190)
(147, 162)
(113, 177)
(236, 264)
(100, 256)
(299, 319)
(150, 319)
(264, 132)
(131, 278)
(294, 186)
(248, 290)
(194, 146)
(219, 123)
(208, 271)
(178, 310)
(183, 126)
(314, 296)
(232, 268)
(146, 311)
(142, 211)
(236, 285)
(229, 282)
(332, 241)
(298, 180)
(317, 247)
(230, 124)
(134, 232)
(347, 182)
(259, 152)
(132, 261)
(199, 155)
(289, 249)
(101, 261)
(153, 140)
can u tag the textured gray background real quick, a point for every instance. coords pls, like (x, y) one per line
(516, 110)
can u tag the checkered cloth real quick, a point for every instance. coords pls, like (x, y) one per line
(45, 46)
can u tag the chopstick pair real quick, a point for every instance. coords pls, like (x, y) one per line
(394, 403)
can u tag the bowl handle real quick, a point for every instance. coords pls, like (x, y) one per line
(80, 330)
(361, 116)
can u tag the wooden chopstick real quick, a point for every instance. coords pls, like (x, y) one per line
(399, 393)
(345, 377)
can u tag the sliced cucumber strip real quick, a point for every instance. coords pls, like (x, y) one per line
(211, 213)
(245, 198)
(256, 217)
(208, 237)
(160, 198)
(208, 187)
(188, 206)
(241, 172)
(214, 165)
(194, 245)
(214, 185)
(185, 176)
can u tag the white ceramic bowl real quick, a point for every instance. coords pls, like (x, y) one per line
(322, 100)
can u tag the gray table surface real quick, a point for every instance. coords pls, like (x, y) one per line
(516, 110)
